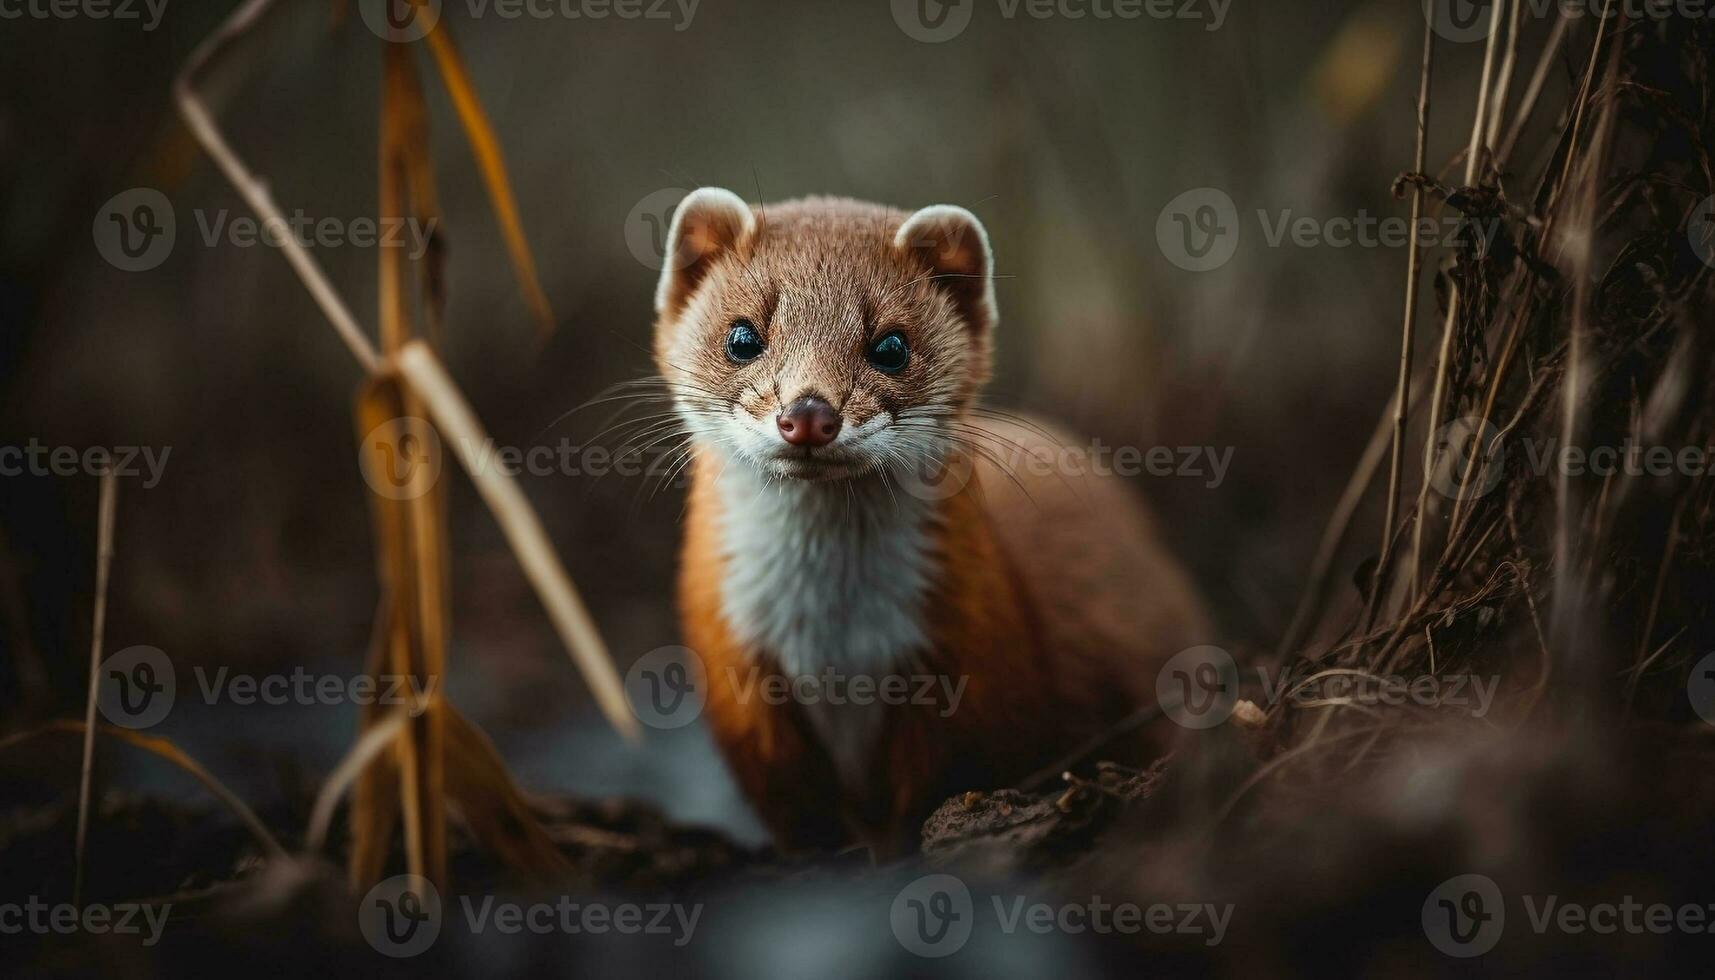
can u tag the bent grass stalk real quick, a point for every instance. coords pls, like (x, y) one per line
(411, 538)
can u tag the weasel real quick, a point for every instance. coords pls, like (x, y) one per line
(875, 641)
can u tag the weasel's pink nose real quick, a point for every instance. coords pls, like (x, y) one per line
(809, 422)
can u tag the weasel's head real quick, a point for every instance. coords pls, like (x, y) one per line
(823, 339)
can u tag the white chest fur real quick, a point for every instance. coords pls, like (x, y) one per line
(832, 579)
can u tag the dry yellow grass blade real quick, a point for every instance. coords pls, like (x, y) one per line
(255, 190)
(496, 812)
(411, 533)
(452, 415)
(376, 739)
(486, 147)
(570, 619)
(409, 561)
(164, 748)
(375, 799)
(492, 806)
(378, 404)
(408, 785)
(98, 632)
(408, 181)
(409, 114)
(428, 530)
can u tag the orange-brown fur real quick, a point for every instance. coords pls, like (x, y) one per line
(1050, 596)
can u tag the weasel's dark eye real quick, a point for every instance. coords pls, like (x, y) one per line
(743, 343)
(889, 355)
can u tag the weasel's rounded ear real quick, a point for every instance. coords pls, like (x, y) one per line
(952, 243)
(707, 223)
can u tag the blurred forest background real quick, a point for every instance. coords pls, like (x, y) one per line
(1066, 136)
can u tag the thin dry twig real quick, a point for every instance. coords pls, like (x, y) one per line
(377, 739)
(1408, 329)
(97, 637)
(1503, 81)
(164, 748)
(486, 146)
(1533, 90)
(523, 530)
(1473, 154)
(255, 191)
